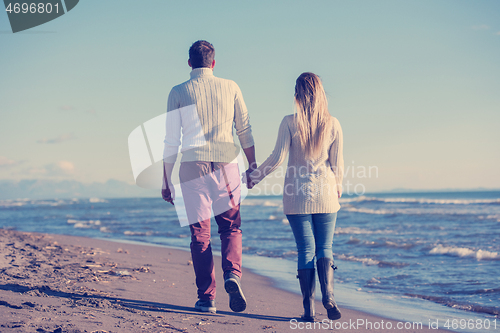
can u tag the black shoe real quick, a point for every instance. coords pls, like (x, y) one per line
(237, 301)
(333, 313)
(205, 306)
(325, 273)
(307, 281)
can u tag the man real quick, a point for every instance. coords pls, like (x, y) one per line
(204, 109)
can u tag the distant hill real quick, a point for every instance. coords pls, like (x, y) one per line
(49, 189)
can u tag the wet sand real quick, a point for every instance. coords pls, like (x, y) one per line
(56, 283)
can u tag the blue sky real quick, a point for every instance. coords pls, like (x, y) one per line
(415, 84)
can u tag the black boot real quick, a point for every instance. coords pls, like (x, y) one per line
(325, 274)
(307, 280)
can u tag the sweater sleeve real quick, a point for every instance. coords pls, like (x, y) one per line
(242, 120)
(336, 154)
(173, 128)
(278, 155)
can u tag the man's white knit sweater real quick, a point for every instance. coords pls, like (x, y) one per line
(202, 111)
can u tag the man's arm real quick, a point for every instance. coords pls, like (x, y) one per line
(172, 143)
(242, 120)
(250, 154)
(244, 132)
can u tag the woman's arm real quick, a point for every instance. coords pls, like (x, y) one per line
(336, 155)
(277, 156)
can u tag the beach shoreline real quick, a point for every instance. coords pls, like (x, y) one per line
(58, 283)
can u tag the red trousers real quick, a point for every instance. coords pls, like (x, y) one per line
(208, 186)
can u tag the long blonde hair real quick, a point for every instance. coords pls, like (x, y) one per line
(312, 117)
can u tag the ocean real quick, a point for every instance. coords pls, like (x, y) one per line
(415, 256)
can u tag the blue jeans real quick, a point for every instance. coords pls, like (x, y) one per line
(313, 236)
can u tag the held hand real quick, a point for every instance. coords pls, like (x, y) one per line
(339, 193)
(168, 193)
(251, 168)
(245, 178)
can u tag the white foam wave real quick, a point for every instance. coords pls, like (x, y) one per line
(261, 202)
(248, 203)
(84, 224)
(465, 252)
(12, 203)
(417, 210)
(105, 230)
(422, 200)
(96, 200)
(353, 240)
(372, 262)
(358, 231)
(370, 211)
(365, 261)
(268, 203)
(137, 233)
(135, 211)
(48, 202)
(493, 217)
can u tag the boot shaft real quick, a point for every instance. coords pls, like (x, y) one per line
(307, 281)
(325, 274)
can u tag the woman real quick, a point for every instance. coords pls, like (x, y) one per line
(312, 187)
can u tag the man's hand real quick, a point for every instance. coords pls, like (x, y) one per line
(252, 165)
(168, 193)
(247, 180)
(167, 189)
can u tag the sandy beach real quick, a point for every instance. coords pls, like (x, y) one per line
(56, 283)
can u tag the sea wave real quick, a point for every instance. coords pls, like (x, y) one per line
(389, 244)
(365, 261)
(473, 213)
(261, 202)
(370, 261)
(96, 200)
(363, 198)
(359, 231)
(84, 224)
(465, 252)
(484, 291)
(105, 230)
(137, 233)
(372, 211)
(23, 202)
(458, 305)
(490, 217)
(12, 203)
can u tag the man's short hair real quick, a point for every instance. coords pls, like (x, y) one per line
(201, 54)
